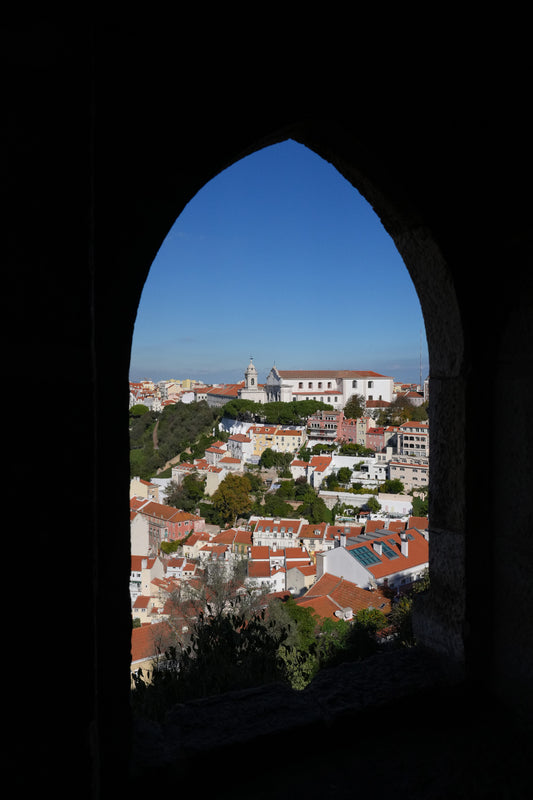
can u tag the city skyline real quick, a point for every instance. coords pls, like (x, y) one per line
(278, 258)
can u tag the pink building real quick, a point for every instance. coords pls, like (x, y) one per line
(177, 524)
(353, 430)
(323, 425)
(377, 439)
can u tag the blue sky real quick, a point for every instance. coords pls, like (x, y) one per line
(278, 258)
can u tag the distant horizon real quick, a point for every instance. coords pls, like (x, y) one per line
(147, 377)
(280, 258)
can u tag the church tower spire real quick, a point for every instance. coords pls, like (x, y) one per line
(250, 376)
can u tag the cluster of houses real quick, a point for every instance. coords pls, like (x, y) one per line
(399, 452)
(334, 387)
(155, 396)
(337, 569)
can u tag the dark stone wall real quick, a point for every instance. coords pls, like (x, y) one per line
(109, 133)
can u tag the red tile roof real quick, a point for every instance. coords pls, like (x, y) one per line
(295, 552)
(397, 525)
(417, 547)
(148, 640)
(136, 563)
(330, 593)
(259, 569)
(228, 390)
(320, 463)
(418, 522)
(373, 525)
(338, 530)
(198, 537)
(328, 373)
(259, 552)
(142, 601)
(305, 569)
(169, 513)
(276, 524)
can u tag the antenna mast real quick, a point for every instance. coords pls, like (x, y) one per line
(420, 360)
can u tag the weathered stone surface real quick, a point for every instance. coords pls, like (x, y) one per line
(236, 718)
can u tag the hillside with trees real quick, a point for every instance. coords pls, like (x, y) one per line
(155, 437)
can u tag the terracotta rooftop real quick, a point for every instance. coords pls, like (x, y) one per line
(148, 639)
(328, 373)
(417, 555)
(330, 594)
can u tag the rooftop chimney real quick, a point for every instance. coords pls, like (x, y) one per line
(404, 545)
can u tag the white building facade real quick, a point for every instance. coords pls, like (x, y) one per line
(334, 387)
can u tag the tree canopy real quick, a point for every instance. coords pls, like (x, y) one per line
(138, 410)
(188, 494)
(294, 413)
(402, 410)
(355, 407)
(232, 498)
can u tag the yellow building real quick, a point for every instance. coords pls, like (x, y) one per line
(275, 437)
(263, 437)
(289, 440)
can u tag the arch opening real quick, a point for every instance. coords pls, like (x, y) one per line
(437, 626)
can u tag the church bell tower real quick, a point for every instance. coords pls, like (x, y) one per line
(250, 377)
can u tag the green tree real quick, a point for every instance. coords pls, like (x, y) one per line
(268, 458)
(280, 461)
(420, 506)
(401, 616)
(188, 494)
(232, 498)
(354, 449)
(373, 505)
(304, 454)
(299, 648)
(138, 410)
(226, 652)
(314, 509)
(302, 489)
(393, 486)
(275, 506)
(420, 413)
(332, 483)
(344, 474)
(277, 413)
(355, 407)
(286, 490)
(401, 619)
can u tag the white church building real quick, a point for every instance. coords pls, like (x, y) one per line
(334, 387)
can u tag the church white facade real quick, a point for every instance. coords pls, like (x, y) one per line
(334, 387)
